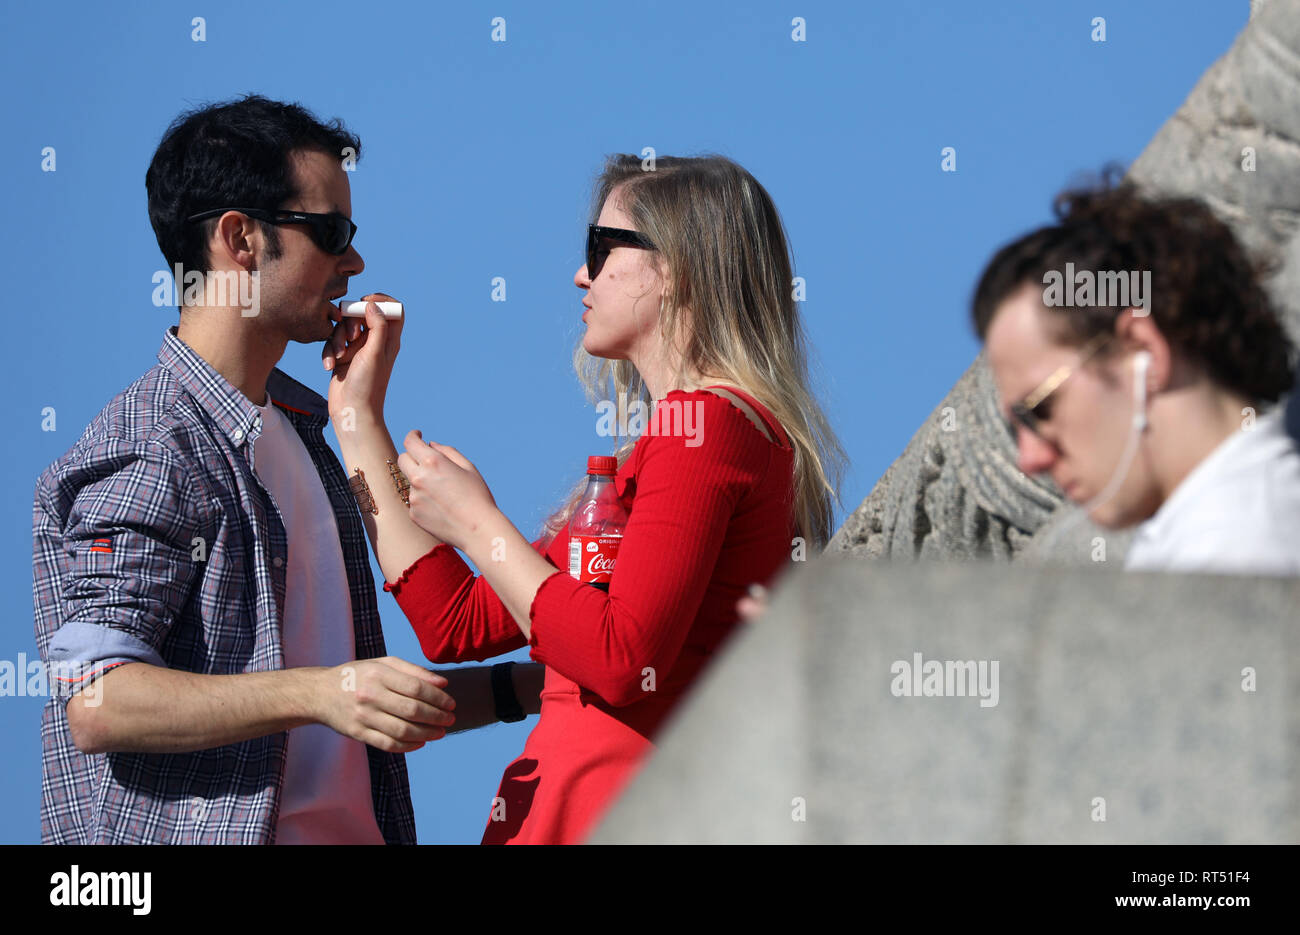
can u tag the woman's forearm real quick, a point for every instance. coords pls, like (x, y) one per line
(511, 566)
(396, 540)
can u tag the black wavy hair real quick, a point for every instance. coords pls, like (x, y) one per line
(1209, 299)
(227, 155)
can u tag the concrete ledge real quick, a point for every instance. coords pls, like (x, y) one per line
(1122, 688)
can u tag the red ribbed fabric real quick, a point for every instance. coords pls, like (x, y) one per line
(710, 504)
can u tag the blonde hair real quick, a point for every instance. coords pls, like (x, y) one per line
(726, 252)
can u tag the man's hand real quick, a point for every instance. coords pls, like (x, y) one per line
(388, 703)
(362, 359)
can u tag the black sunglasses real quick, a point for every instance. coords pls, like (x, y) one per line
(332, 232)
(1036, 408)
(598, 247)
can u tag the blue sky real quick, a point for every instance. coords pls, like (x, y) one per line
(478, 160)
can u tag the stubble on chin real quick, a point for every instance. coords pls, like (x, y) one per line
(302, 332)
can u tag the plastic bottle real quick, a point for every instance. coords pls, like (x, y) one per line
(596, 527)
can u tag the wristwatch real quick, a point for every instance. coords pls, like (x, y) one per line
(504, 698)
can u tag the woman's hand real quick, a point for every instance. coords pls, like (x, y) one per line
(362, 360)
(753, 605)
(449, 498)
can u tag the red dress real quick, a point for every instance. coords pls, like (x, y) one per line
(710, 511)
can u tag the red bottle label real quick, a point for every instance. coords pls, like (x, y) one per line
(592, 558)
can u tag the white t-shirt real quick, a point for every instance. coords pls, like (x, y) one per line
(1237, 512)
(326, 795)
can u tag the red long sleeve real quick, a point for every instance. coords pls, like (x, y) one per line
(708, 515)
(456, 615)
(710, 512)
(685, 499)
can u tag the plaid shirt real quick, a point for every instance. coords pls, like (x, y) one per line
(153, 541)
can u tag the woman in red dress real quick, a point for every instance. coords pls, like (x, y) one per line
(689, 307)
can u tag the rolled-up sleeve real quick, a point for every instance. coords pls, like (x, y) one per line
(133, 547)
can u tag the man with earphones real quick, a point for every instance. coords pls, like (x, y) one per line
(1158, 413)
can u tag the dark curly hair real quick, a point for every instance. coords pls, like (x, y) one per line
(233, 154)
(1207, 295)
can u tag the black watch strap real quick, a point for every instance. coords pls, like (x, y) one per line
(503, 694)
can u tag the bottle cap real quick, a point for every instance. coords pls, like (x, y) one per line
(602, 464)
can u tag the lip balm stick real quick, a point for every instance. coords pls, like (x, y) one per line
(358, 309)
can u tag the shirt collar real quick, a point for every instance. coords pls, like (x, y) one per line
(1220, 460)
(234, 413)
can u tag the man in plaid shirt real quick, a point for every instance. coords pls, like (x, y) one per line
(200, 566)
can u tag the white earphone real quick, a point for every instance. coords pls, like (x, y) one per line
(1141, 364)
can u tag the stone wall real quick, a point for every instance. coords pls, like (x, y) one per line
(955, 491)
(1118, 695)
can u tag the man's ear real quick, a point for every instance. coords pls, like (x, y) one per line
(236, 239)
(1136, 331)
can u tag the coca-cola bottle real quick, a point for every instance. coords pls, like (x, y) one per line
(596, 527)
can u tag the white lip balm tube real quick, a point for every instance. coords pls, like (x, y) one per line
(358, 309)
